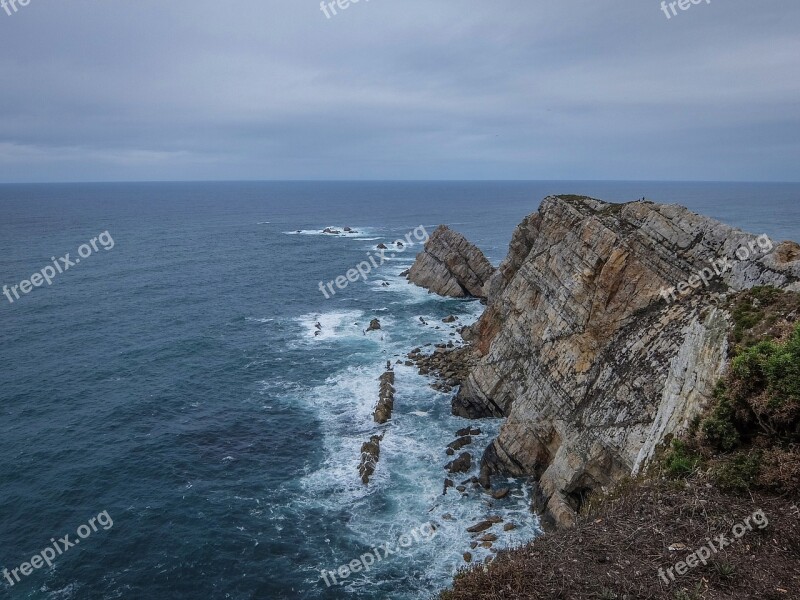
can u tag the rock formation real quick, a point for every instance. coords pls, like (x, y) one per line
(383, 411)
(370, 453)
(451, 266)
(604, 335)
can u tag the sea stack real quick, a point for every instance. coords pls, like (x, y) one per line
(451, 266)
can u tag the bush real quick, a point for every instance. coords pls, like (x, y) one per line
(761, 395)
(719, 430)
(739, 473)
(680, 461)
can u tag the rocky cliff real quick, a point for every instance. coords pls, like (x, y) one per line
(451, 266)
(604, 335)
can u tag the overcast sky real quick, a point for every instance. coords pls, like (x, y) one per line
(102, 90)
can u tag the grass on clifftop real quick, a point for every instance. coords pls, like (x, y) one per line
(741, 456)
(621, 547)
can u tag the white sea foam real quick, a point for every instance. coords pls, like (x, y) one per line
(410, 475)
(344, 323)
(358, 233)
(406, 488)
(262, 320)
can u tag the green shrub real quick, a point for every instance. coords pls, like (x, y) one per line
(740, 473)
(680, 461)
(764, 383)
(719, 430)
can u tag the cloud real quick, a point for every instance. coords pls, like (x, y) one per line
(255, 89)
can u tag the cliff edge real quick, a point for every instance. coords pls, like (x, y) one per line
(604, 335)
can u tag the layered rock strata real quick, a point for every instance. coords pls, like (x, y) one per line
(604, 336)
(370, 454)
(383, 411)
(451, 266)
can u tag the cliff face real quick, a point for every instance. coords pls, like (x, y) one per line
(589, 353)
(451, 266)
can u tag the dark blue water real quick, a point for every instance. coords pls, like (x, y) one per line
(176, 382)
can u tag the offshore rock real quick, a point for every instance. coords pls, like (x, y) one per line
(451, 266)
(370, 453)
(385, 407)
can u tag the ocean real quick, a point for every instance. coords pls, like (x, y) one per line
(189, 379)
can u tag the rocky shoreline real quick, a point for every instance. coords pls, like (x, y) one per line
(590, 366)
(578, 349)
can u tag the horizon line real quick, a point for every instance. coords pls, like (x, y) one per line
(175, 181)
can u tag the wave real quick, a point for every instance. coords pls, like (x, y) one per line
(357, 233)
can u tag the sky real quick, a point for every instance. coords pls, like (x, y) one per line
(123, 90)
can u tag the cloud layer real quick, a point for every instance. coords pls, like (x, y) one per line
(399, 89)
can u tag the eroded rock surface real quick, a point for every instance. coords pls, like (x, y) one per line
(451, 266)
(585, 350)
(370, 454)
(385, 406)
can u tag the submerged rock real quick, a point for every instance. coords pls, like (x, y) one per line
(460, 465)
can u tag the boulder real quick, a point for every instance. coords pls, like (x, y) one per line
(479, 527)
(460, 443)
(501, 493)
(460, 465)
(370, 453)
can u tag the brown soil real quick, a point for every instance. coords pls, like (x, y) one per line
(617, 548)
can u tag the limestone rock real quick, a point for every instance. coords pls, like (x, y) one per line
(585, 349)
(451, 266)
(370, 453)
(385, 407)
